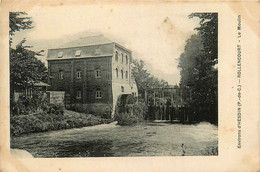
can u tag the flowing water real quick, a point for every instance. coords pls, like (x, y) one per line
(146, 139)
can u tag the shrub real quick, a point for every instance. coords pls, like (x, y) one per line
(134, 113)
(55, 109)
(127, 119)
(49, 121)
(35, 104)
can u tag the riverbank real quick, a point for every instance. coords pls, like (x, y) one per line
(41, 122)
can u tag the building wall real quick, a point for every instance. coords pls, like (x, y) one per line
(88, 83)
(117, 81)
(110, 85)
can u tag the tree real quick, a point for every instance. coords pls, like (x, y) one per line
(144, 80)
(18, 21)
(25, 68)
(198, 68)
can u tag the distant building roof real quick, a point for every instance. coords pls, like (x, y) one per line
(86, 41)
(41, 84)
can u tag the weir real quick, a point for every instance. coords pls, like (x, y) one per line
(168, 104)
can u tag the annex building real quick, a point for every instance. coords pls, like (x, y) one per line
(93, 72)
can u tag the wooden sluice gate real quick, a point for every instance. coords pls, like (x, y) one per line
(167, 104)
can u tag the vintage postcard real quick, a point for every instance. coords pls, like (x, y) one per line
(129, 86)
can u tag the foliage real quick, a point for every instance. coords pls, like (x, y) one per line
(18, 21)
(144, 80)
(49, 121)
(25, 68)
(35, 104)
(134, 113)
(198, 68)
(127, 119)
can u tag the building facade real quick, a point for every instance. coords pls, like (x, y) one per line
(93, 72)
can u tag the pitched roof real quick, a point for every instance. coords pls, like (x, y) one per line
(41, 84)
(86, 41)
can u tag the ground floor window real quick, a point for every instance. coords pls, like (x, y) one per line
(98, 94)
(79, 94)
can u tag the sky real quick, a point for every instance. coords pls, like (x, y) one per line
(154, 33)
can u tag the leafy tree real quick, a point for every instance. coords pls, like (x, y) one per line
(198, 68)
(18, 21)
(25, 68)
(144, 80)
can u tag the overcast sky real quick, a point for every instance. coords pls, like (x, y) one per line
(155, 33)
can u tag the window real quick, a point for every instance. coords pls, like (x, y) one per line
(116, 73)
(60, 54)
(60, 74)
(98, 73)
(126, 59)
(116, 56)
(122, 89)
(98, 93)
(122, 74)
(78, 53)
(126, 75)
(98, 51)
(122, 57)
(79, 94)
(78, 74)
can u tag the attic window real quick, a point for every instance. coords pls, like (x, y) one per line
(98, 51)
(78, 53)
(60, 54)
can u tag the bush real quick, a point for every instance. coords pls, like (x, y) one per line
(127, 119)
(35, 104)
(55, 109)
(134, 113)
(49, 121)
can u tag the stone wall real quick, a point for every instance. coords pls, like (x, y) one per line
(55, 97)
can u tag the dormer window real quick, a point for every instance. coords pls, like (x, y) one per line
(60, 54)
(78, 53)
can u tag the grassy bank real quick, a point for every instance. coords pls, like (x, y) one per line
(48, 121)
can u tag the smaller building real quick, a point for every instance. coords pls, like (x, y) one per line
(37, 87)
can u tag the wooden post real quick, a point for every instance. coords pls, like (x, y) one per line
(181, 95)
(145, 96)
(154, 98)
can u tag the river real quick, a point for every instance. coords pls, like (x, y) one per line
(145, 139)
